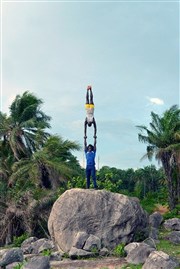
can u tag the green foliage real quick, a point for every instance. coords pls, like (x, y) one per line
(3, 190)
(17, 241)
(139, 236)
(46, 252)
(77, 182)
(18, 266)
(19, 189)
(169, 248)
(65, 255)
(119, 250)
(94, 250)
(153, 198)
(175, 213)
(39, 193)
(163, 142)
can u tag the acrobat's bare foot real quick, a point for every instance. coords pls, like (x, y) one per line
(89, 87)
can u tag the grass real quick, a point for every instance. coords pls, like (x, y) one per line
(132, 266)
(166, 246)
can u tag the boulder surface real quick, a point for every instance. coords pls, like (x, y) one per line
(112, 217)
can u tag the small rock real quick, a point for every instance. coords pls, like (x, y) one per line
(40, 262)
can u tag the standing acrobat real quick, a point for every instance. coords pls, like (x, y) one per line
(89, 120)
(90, 152)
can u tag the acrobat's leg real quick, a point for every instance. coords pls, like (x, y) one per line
(88, 175)
(87, 97)
(91, 97)
(85, 128)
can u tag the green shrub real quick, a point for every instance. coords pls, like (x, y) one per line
(175, 213)
(19, 265)
(94, 249)
(119, 250)
(17, 241)
(46, 252)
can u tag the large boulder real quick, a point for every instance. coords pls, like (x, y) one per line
(112, 217)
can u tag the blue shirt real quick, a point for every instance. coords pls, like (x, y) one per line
(90, 157)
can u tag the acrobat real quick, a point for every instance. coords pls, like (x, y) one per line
(89, 120)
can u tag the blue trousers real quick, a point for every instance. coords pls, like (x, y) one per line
(90, 171)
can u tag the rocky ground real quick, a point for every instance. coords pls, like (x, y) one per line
(98, 263)
(109, 263)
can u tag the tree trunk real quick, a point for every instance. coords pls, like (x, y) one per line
(168, 172)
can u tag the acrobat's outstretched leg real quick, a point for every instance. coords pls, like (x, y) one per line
(89, 96)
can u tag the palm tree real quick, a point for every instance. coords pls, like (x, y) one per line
(163, 143)
(35, 184)
(24, 128)
(50, 166)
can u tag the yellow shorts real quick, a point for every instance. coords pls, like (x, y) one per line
(89, 106)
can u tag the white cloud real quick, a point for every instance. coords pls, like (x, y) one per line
(155, 101)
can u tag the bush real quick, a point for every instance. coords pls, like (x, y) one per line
(17, 241)
(119, 250)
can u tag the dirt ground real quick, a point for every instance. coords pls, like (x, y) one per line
(105, 263)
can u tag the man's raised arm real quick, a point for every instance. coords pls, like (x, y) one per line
(85, 142)
(95, 142)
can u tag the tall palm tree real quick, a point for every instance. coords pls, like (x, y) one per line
(24, 126)
(163, 143)
(49, 166)
(33, 163)
(35, 182)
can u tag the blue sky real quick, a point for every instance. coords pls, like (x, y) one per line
(127, 50)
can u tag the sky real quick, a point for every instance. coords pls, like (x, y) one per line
(127, 50)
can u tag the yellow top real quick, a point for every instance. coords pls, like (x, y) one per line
(89, 106)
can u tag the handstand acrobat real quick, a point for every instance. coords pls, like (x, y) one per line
(89, 120)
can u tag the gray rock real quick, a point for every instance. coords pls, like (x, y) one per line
(39, 262)
(131, 246)
(12, 255)
(93, 242)
(103, 252)
(76, 252)
(172, 224)
(80, 239)
(12, 265)
(44, 244)
(26, 245)
(150, 241)
(153, 233)
(33, 245)
(155, 219)
(174, 237)
(112, 217)
(28, 241)
(139, 254)
(40, 245)
(56, 256)
(159, 260)
(3, 251)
